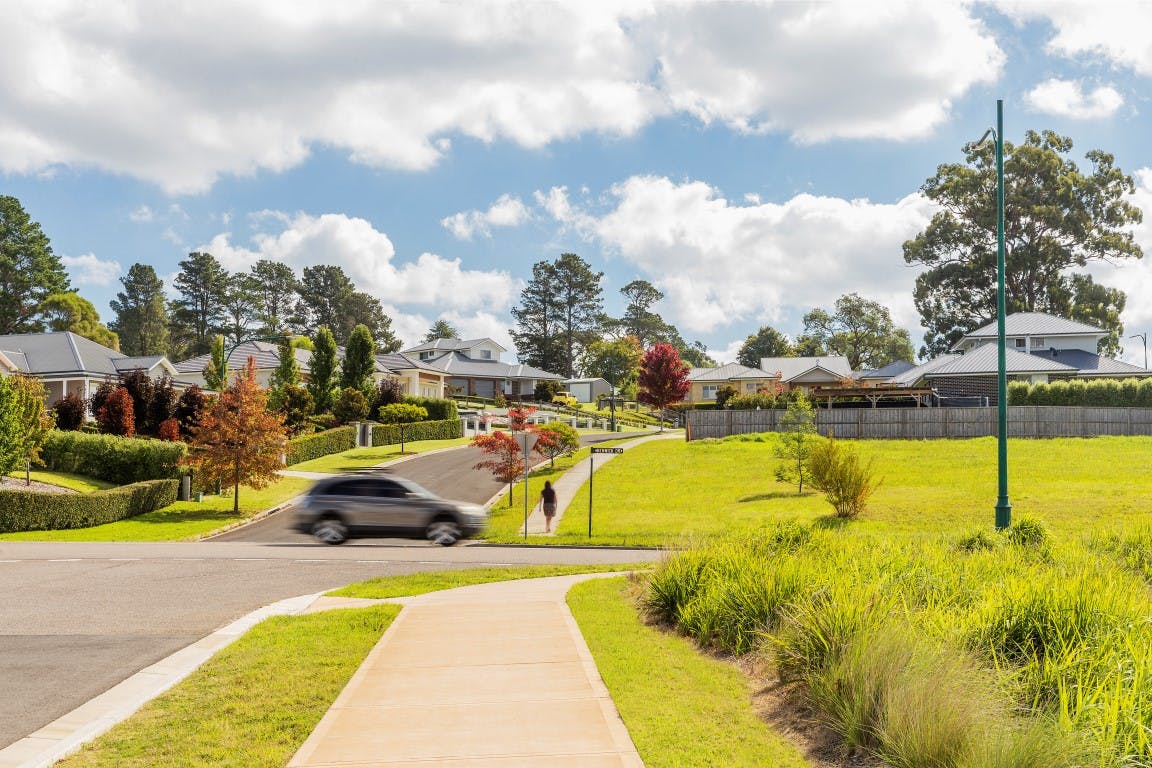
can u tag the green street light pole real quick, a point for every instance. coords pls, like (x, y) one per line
(1003, 506)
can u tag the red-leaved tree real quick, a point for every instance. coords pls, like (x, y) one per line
(507, 460)
(238, 440)
(663, 378)
(518, 417)
(116, 415)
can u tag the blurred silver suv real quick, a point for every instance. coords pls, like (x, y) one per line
(337, 508)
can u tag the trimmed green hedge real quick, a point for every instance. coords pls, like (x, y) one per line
(22, 510)
(320, 444)
(438, 409)
(1124, 393)
(119, 460)
(389, 434)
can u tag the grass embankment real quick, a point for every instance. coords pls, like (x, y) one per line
(182, 520)
(981, 650)
(667, 491)
(681, 708)
(254, 703)
(78, 483)
(360, 458)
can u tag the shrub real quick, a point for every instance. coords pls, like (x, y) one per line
(545, 390)
(1018, 392)
(320, 444)
(71, 412)
(189, 408)
(163, 404)
(1040, 395)
(724, 394)
(117, 416)
(118, 460)
(499, 400)
(1028, 532)
(977, 541)
(296, 405)
(847, 481)
(759, 400)
(389, 434)
(22, 510)
(351, 405)
(438, 409)
(169, 429)
(141, 389)
(388, 392)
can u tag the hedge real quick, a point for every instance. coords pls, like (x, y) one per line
(1126, 393)
(438, 409)
(119, 460)
(389, 434)
(23, 510)
(320, 444)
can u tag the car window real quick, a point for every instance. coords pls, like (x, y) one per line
(388, 489)
(350, 488)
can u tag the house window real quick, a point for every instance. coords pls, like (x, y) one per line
(485, 354)
(1037, 341)
(1020, 343)
(750, 386)
(709, 391)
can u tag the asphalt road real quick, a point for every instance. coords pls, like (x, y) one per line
(448, 474)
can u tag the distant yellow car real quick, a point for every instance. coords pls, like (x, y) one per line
(565, 398)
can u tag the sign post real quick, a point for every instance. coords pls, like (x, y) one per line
(527, 442)
(591, 471)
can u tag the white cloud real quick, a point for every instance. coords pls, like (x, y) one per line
(1067, 98)
(142, 214)
(1116, 30)
(368, 257)
(180, 94)
(87, 269)
(723, 264)
(507, 211)
(1135, 277)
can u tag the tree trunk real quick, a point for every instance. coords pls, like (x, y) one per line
(236, 490)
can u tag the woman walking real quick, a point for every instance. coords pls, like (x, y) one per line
(548, 497)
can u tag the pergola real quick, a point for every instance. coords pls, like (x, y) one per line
(921, 396)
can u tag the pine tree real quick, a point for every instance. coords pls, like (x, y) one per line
(29, 271)
(536, 334)
(141, 315)
(441, 329)
(578, 296)
(198, 312)
(276, 297)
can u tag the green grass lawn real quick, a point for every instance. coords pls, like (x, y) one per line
(251, 705)
(682, 708)
(182, 520)
(81, 483)
(667, 491)
(359, 458)
(434, 581)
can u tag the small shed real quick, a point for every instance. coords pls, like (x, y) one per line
(587, 390)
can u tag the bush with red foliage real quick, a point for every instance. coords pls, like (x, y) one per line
(169, 430)
(117, 416)
(71, 412)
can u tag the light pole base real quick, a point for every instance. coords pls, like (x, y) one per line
(1003, 514)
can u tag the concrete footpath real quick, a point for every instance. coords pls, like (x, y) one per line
(494, 675)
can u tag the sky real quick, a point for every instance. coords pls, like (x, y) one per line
(752, 160)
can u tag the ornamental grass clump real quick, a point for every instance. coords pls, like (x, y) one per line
(847, 480)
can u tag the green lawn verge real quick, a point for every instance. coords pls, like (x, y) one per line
(80, 483)
(421, 583)
(359, 458)
(182, 520)
(669, 491)
(682, 708)
(251, 705)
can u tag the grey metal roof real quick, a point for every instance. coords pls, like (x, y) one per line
(913, 375)
(452, 345)
(1092, 364)
(982, 361)
(728, 372)
(792, 367)
(458, 364)
(265, 354)
(399, 361)
(889, 371)
(521, 371)
(131, 363)
(1036, 324)
(63, 353)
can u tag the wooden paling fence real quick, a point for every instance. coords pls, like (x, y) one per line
(925, 423)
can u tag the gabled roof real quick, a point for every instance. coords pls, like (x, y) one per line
(1036, 324)
(521, 371)
(889, 371)
(265, 354)
(728, 372)
(1090, 363)
(915, 374)
(452, 345)
(459, 364)
(391, 362)
(794, 367)
(66, 353)
(982, 361)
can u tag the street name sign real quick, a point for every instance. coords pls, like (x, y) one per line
(607, 450)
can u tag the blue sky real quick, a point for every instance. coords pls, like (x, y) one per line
(751, 160)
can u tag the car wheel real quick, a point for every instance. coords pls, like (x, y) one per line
(330, 530)
(444, 532)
